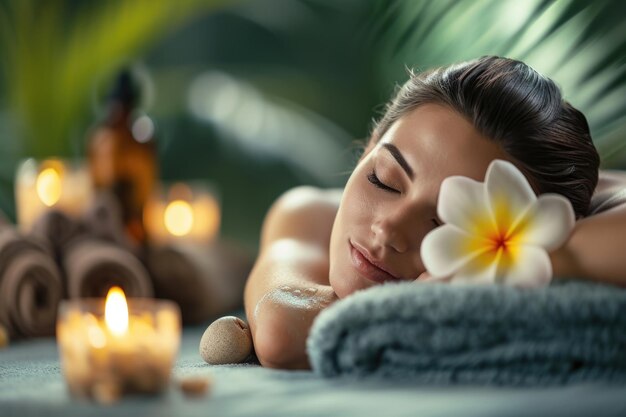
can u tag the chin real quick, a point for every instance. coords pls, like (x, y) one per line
(345, 286)
(341, 291)
(342, 277)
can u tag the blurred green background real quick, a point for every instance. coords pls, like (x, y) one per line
(259, 96)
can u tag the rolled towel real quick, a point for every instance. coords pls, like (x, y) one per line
(204, 281)
(103, 220)
(461, 334)
(93, 266)
(180, 274)
(30, 286)
(57, 228)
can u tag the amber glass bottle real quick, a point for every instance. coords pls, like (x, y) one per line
(122, 154)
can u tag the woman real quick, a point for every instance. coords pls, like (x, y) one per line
(321, 245)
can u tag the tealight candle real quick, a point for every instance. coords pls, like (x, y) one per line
(114, 347)
(42, 185)
(183, 213)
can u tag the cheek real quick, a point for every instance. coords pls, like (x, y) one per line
(357, 206)
(353, 221)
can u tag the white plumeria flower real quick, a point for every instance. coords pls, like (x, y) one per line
(498, 231)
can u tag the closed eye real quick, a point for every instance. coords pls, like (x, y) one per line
(373, 178)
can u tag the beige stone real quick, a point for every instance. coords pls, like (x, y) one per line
(226, 340)
(195, 386)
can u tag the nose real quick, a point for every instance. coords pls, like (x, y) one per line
(401, 229)
(386, 234)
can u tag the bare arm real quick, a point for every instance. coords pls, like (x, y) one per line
(596, 249)
(288, 285)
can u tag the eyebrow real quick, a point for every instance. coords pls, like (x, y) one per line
(395, 152)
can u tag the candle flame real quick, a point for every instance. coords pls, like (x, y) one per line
(116, 311)
(49, 186)
(178, 218)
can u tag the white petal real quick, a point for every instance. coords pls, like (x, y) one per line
(471, 274)
(462, 203)
(508, 192)
(446, 248)
(548, 223)
(531, 268)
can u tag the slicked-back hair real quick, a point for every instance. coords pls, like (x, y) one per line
(524, 112)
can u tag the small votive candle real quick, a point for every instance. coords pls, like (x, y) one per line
(51, 183)
(182, 213)
(112, 347)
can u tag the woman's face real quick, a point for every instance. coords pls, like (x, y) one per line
(389, 203)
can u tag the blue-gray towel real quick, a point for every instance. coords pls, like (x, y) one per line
(445, 334)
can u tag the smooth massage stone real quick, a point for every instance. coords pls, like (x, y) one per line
(226, 340)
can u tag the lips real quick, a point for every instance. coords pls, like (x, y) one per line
(361, 260)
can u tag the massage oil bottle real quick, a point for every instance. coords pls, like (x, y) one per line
(122, 154)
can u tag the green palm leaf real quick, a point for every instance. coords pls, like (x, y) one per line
(52, 62)
(579, 44)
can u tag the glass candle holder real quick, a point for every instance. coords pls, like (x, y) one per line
(107, 354)
(50, 183)
(182, 213)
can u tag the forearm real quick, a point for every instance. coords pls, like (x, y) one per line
(282, 299)
(596, 249)
(283, 318)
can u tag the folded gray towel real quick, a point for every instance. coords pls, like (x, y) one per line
(462, 334)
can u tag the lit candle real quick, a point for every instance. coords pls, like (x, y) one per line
(112, 348)
(40, 186)
(184, 214)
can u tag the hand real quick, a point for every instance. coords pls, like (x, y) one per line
(563, 261)
(426, 277)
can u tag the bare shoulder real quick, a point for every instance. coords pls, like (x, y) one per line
(303, 213)
(609, 193)
(610, 180)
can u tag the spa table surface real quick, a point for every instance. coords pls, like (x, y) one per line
(31, 384)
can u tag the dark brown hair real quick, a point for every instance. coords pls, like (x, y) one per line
(523, 111)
